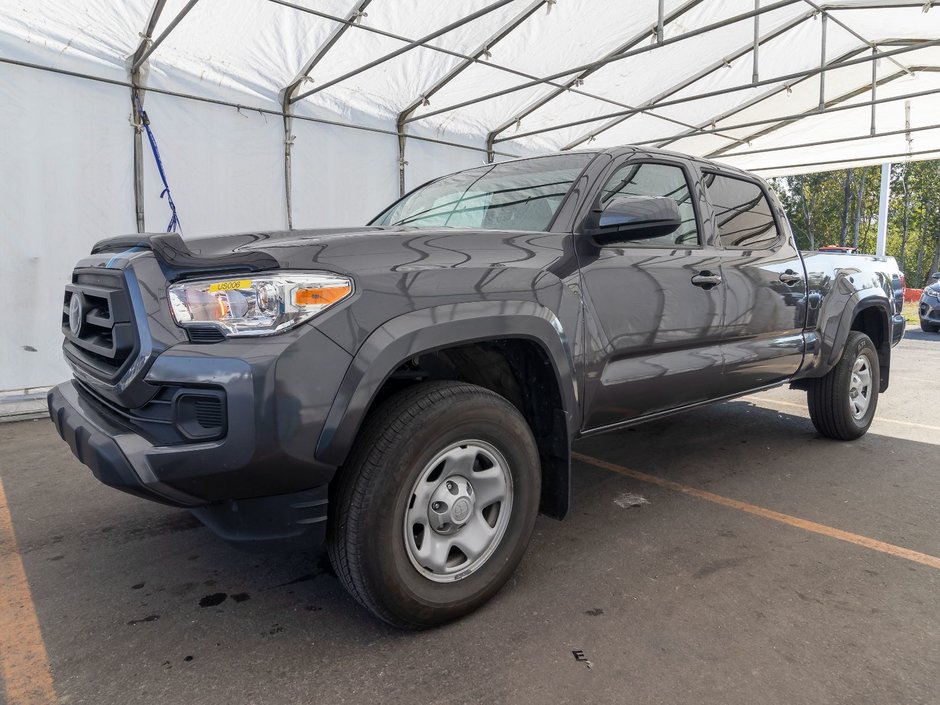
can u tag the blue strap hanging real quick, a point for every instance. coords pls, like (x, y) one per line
(174, 224)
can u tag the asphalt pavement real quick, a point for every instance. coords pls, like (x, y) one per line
(729, 555)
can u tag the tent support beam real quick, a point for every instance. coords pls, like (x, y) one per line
(882, 240)
(843, 25)
(466, 57)
(837, 140)
(755, 74)
(627, 46)
(874, 90)
(440, 83)
(656, 100)
(829, 107)
(701, 128)
(139, 60)
(603, 62)
(822, 61)
(238, 106)
(408, 47)
(723, 91)
(880, 159)
(136, 63)
(287, 104)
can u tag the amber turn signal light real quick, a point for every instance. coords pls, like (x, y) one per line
(320, 296)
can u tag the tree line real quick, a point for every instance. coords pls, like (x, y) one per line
(841, 208)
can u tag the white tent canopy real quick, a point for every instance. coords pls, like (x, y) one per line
(295, 113)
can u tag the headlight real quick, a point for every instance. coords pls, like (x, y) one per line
(932, 293)
(256, 305)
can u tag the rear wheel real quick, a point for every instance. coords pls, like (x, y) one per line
(437, 503)
(842, 404)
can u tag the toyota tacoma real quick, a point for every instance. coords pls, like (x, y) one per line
(408, 391)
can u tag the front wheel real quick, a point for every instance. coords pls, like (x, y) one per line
(437, 503)
(842, 404)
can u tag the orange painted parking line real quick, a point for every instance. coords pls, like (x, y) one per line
(756, 400)
(24, 666)
(812, 526)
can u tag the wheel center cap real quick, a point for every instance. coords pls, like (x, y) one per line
(460, 510)
(451, 505)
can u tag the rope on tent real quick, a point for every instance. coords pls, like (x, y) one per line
(174, 223)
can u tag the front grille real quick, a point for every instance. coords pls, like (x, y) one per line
(98, 323)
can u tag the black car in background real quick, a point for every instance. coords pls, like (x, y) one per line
(930, 306)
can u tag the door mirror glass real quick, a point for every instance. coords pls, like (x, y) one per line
(636, 218)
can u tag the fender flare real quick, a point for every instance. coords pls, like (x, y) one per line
(845, 327)
(430, 329)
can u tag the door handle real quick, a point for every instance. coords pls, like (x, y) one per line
(790, 277)
(707, 280)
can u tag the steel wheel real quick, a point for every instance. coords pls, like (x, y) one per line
(459, 510)
(860, 389)
(842, 403)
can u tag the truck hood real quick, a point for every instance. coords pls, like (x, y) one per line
(345, 250)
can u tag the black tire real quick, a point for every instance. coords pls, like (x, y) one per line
(366, 534)
(929, 327)
(830, 405)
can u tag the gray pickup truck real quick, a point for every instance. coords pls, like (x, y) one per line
(408, 391)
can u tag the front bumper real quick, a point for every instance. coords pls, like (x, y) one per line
(929, 310)
(261, 479)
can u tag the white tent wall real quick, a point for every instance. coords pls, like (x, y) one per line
(66, 181)
(425, 160)
(340, 176)
(66, 142)
(225, 167)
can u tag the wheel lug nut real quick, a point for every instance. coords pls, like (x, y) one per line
(451, 486)
(437, 506)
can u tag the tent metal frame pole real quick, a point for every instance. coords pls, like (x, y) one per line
(857, 35)
(609, 60)
(874, 90)
(136, 63)
(838, 108)
(237, 106)
(883, 207)
(822, 60)
(466, 57)
(755, 73)
(287, 106)
(568, 85)
(729, 89)
(702, 127)
(837, 140)
(658, 99)
(660, 21)
(880, 159)
(440, 83)
(139, 60)
(783, 122)
(408, 47)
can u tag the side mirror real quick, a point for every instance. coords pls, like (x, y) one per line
(636, 218)
(935, 275)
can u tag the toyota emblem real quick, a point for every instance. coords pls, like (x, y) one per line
(76, 314)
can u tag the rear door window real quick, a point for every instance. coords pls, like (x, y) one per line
(742, 212)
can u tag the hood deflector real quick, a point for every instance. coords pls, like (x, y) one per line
(179, 262)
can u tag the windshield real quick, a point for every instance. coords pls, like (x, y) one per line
(522, 195)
